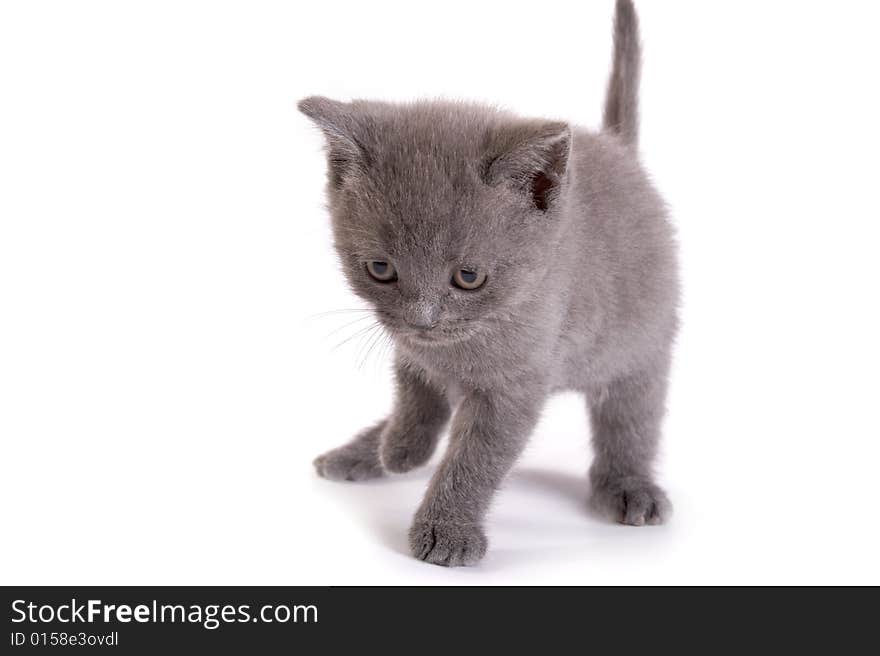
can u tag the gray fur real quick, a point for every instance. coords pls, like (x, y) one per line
(581, 294)
(622, 98)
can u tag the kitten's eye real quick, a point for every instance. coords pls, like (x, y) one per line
(467, 279)
(381, 271)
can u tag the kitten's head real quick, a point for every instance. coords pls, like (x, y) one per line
(445, 215)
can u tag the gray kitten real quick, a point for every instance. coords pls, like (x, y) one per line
(508, 258)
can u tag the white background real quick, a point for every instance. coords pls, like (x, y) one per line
(165, 375)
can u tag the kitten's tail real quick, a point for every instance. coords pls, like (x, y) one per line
(622, 99)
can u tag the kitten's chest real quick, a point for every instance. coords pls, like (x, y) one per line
(448, 369)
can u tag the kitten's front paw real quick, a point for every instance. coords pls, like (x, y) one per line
(400, 455)
(449, 545)
(351, 462)
(631, 501)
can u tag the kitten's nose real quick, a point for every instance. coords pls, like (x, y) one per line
(422, 316)
(422, 325)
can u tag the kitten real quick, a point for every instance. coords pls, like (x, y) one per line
(508, 258)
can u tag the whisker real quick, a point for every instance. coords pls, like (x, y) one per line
(362, 343)
(360, 333)
(346, 325)
(387, 346)
(371, 344)
(330, 313)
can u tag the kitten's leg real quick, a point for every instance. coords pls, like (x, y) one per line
(413, 429)
(404, 440)
(356, 461)
(488, 434)
(626, 417)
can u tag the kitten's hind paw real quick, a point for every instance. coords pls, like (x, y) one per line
(635, 502)
(349, 463)
(449, 545)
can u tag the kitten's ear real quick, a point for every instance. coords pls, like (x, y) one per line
(534, 158)
(338, 122)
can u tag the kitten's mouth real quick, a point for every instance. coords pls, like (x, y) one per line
(434, 336)
(443, 335)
